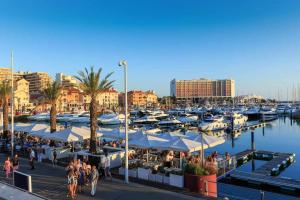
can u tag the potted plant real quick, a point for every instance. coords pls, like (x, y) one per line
(176, 178)
(143, 172)
(152, 175)
(159, 178)
(132, 169)
(201, 179)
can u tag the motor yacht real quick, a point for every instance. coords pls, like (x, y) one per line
(188, 118)
(145, 120)
(40, 117)
(81, 118)
(212, 123)
(268, 114)
(236, 119)
(252, 113)
(111, 119)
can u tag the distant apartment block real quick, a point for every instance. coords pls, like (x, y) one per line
(37, 82)
(138, 98)
(5, 74)
(107, 99)
(66, 81)
(202, 88)
(71, 100)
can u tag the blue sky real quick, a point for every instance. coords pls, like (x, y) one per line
(255, 42)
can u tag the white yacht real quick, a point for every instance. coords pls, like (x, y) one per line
(145, 120)
(40, 117)
(252, 113)
(65, 117)
(282, 109)
(81, 118)
(188, 118)
(169, 122)
(238, 120)
(111, 119)
(268, 114)
(213, 123)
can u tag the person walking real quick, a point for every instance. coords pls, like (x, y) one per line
(15, 163)
(31, 159)
(107, 166)
(81, 180)
(94, 179)
(54, 157)
(7, 167)
(39, 153)
(71, 184)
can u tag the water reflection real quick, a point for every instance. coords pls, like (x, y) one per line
(280, 135)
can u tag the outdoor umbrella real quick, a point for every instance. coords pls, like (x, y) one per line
(71, 135)
(147, 141)
(210, 141)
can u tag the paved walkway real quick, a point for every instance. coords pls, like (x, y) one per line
(12, 193)
(50, 182)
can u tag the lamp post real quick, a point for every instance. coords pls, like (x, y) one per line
(12, 105)
(123, 63)
(12, 111)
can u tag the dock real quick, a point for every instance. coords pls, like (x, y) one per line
(277, 183)
(244, 156)
(276, 162)
(266, 175)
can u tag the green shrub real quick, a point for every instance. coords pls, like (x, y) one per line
(196, 169)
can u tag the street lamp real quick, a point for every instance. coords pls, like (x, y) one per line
(123, 63)
(12, 110)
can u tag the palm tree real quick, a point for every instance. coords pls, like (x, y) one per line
(51, 94)
(5, 90)
(92, 85)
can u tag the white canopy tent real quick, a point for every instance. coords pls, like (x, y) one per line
(71, 135)
(210, 141)
(183, 145)
(147, 141)
(114, 133)
(171, 135)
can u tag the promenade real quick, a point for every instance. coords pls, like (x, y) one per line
(50, 182)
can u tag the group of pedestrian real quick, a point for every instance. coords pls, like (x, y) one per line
(80, 174)
(10, 165)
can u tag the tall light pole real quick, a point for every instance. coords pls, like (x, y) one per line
(12, 104)
(123, 63)
(12, 110)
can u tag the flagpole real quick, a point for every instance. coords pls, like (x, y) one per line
(12, 108)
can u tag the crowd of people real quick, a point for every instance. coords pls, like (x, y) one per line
(81, 174)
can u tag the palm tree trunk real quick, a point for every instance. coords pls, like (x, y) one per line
(93, 121)
(53, 113)
(5, 115)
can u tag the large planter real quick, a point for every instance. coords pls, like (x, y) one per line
(205, 185)
(159, 178)
(176, 180)
(143, 173)
(132, 173)
(121, 171)
(152, 177)
(166, 180)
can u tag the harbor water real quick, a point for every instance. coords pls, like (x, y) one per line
(281, 135)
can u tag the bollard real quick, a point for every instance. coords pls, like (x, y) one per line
(252, 140)
(262, 195)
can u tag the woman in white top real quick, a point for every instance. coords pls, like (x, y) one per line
(107, 166)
